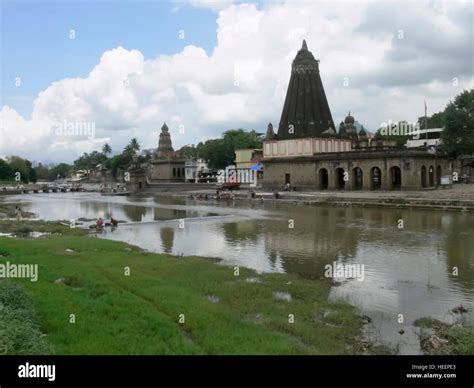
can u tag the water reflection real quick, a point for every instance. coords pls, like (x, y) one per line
(167, 238)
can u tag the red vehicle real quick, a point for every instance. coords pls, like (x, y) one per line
(229, 186)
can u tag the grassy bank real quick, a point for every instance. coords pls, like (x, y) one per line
(9, 211)
(19, 327)
(24, 227)
(170, 305)
(439, 338)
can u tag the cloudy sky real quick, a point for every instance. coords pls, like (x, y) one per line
(122, 68)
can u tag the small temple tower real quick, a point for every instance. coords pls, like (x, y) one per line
(306, 108)
(166, 166)
(270, 133)
(165, 149)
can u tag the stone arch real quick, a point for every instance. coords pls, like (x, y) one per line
(323, 179)
(395, 174)
(431, 174)
(423, 176)
(375, 178)
(340, 183)
(357, 178)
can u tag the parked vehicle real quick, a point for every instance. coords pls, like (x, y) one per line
(229, 186)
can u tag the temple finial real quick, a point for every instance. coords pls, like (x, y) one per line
(304, 47)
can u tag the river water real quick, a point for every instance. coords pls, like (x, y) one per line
(409, 270)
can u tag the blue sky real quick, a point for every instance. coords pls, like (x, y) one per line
(36, 44)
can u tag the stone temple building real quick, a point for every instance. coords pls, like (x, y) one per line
(166, 166)
(309, 153)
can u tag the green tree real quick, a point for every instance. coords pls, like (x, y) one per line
(106, 149)
(221, 152)
(42, 171)
(6, 172)
(62, 170)
(217, 152)
(435, 121)
(88, 161)
(20, 165)
(188, 151)
(458, 135)
(239, 138)
(134, 144)
(120, 161)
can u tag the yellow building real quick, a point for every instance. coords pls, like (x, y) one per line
(247, 157)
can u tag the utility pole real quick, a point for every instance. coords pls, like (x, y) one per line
(426, 116)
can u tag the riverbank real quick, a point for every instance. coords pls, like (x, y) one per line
(96, 296)
(438, 338)
(458, 198)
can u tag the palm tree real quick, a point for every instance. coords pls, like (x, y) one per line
(134, 144)
(106, 149)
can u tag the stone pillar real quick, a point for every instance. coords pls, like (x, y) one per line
(385, 178)
(331, 179)
(366, 179)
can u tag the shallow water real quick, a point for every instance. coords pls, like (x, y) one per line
(407, 271)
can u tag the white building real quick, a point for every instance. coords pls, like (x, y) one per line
(193, 168)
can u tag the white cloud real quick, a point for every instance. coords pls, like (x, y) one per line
(243, 82)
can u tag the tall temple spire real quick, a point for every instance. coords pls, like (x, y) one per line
(304, 47)
(306, 111)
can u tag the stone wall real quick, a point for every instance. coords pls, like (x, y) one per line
(397, 170)
(162, 170)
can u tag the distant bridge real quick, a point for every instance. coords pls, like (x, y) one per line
(41, 188)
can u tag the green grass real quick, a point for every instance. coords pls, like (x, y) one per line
(460, 339)
(24, 227)
(139, 314)
(19, 331)
(9, 210)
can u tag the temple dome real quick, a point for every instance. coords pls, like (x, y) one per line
(349, 119)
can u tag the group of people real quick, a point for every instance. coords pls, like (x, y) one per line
(219, 195)
(100, 222)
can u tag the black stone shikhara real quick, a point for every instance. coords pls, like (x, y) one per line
(306, 110)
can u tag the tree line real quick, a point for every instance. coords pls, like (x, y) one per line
(458, 122)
